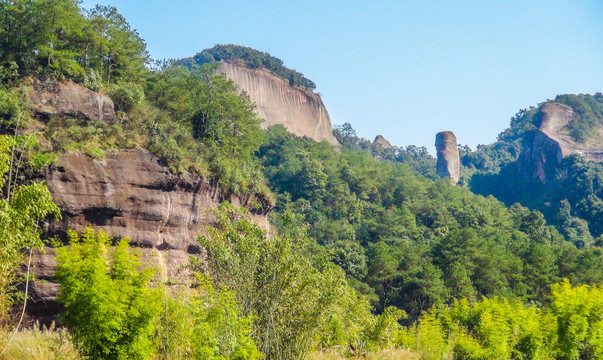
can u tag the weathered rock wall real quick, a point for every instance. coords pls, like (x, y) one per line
(301, 111)
(448, 163)
(128, 194)
(551, 142)
(65, 98)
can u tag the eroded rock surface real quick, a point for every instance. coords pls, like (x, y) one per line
(129, 193)
(68, 99)
(448, 163)
(382, 142)
(552, 142)
(300, 110)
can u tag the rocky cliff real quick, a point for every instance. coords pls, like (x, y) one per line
(300, 110)
(128, 194)
(551, 143)
(65, 98)
(448, 164)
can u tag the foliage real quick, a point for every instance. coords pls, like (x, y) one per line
(252, 58)
(569, 327)
(204, 323)
(126, 96)
(588, 114)
(22, 207)
(295, 304)
(411, 242)
(417, 157)
(571, 198)
(56, 38)
(217, 115)
(109, 307)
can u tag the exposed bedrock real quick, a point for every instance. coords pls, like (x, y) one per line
(448, 163)
(65, 98)
(551, 143)
(382, 143)
(300, 110)
(129, 194)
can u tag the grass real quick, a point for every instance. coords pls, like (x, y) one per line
(39, 344)
(339, 354)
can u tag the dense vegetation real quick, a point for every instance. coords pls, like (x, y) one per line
(252, 58)
(365, 240)
(568, 327)
(572, 194)
(412, 242)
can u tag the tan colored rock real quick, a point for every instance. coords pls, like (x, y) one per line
(552, 142)
(68, 99)
(448, 163)
(129, 193)
(300, 110)
(382, 142)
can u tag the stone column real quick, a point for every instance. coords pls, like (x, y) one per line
(449, 164)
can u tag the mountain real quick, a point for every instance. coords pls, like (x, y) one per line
(279, 97)
(549, 160)
(175, 226)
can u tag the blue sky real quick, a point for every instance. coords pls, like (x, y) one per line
(403, 69)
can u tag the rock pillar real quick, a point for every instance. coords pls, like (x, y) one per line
(449, 164)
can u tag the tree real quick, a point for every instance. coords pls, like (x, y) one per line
(293, 302)
(22, 207)
(109, 307)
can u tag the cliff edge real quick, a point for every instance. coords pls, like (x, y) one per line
(552, 142)
(300, 110)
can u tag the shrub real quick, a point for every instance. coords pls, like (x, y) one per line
(204, 324)
(296, 304)
(126, 96)
(109, 306)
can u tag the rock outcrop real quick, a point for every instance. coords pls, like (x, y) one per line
(448, 163)
(68, 99)
(551, 142)
(300, 110)
(382, 143)
(129, 193)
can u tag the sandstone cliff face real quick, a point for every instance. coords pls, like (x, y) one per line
(448, 164)
(69, 99)
(551, 143)
(129, 193)
(301, 111)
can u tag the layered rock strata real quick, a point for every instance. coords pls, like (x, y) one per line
(129, 194)
(68, 99)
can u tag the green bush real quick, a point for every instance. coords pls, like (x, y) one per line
(22, 208)
(296, 305)
(126, 96)
(569, 327)
(109, 307)
(10, 104)
(206, 324)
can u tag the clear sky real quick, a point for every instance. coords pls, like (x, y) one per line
(403, 69)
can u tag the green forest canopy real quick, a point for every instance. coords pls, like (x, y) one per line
(252, 58)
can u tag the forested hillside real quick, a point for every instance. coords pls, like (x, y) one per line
(367, 250)
(571, 196)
